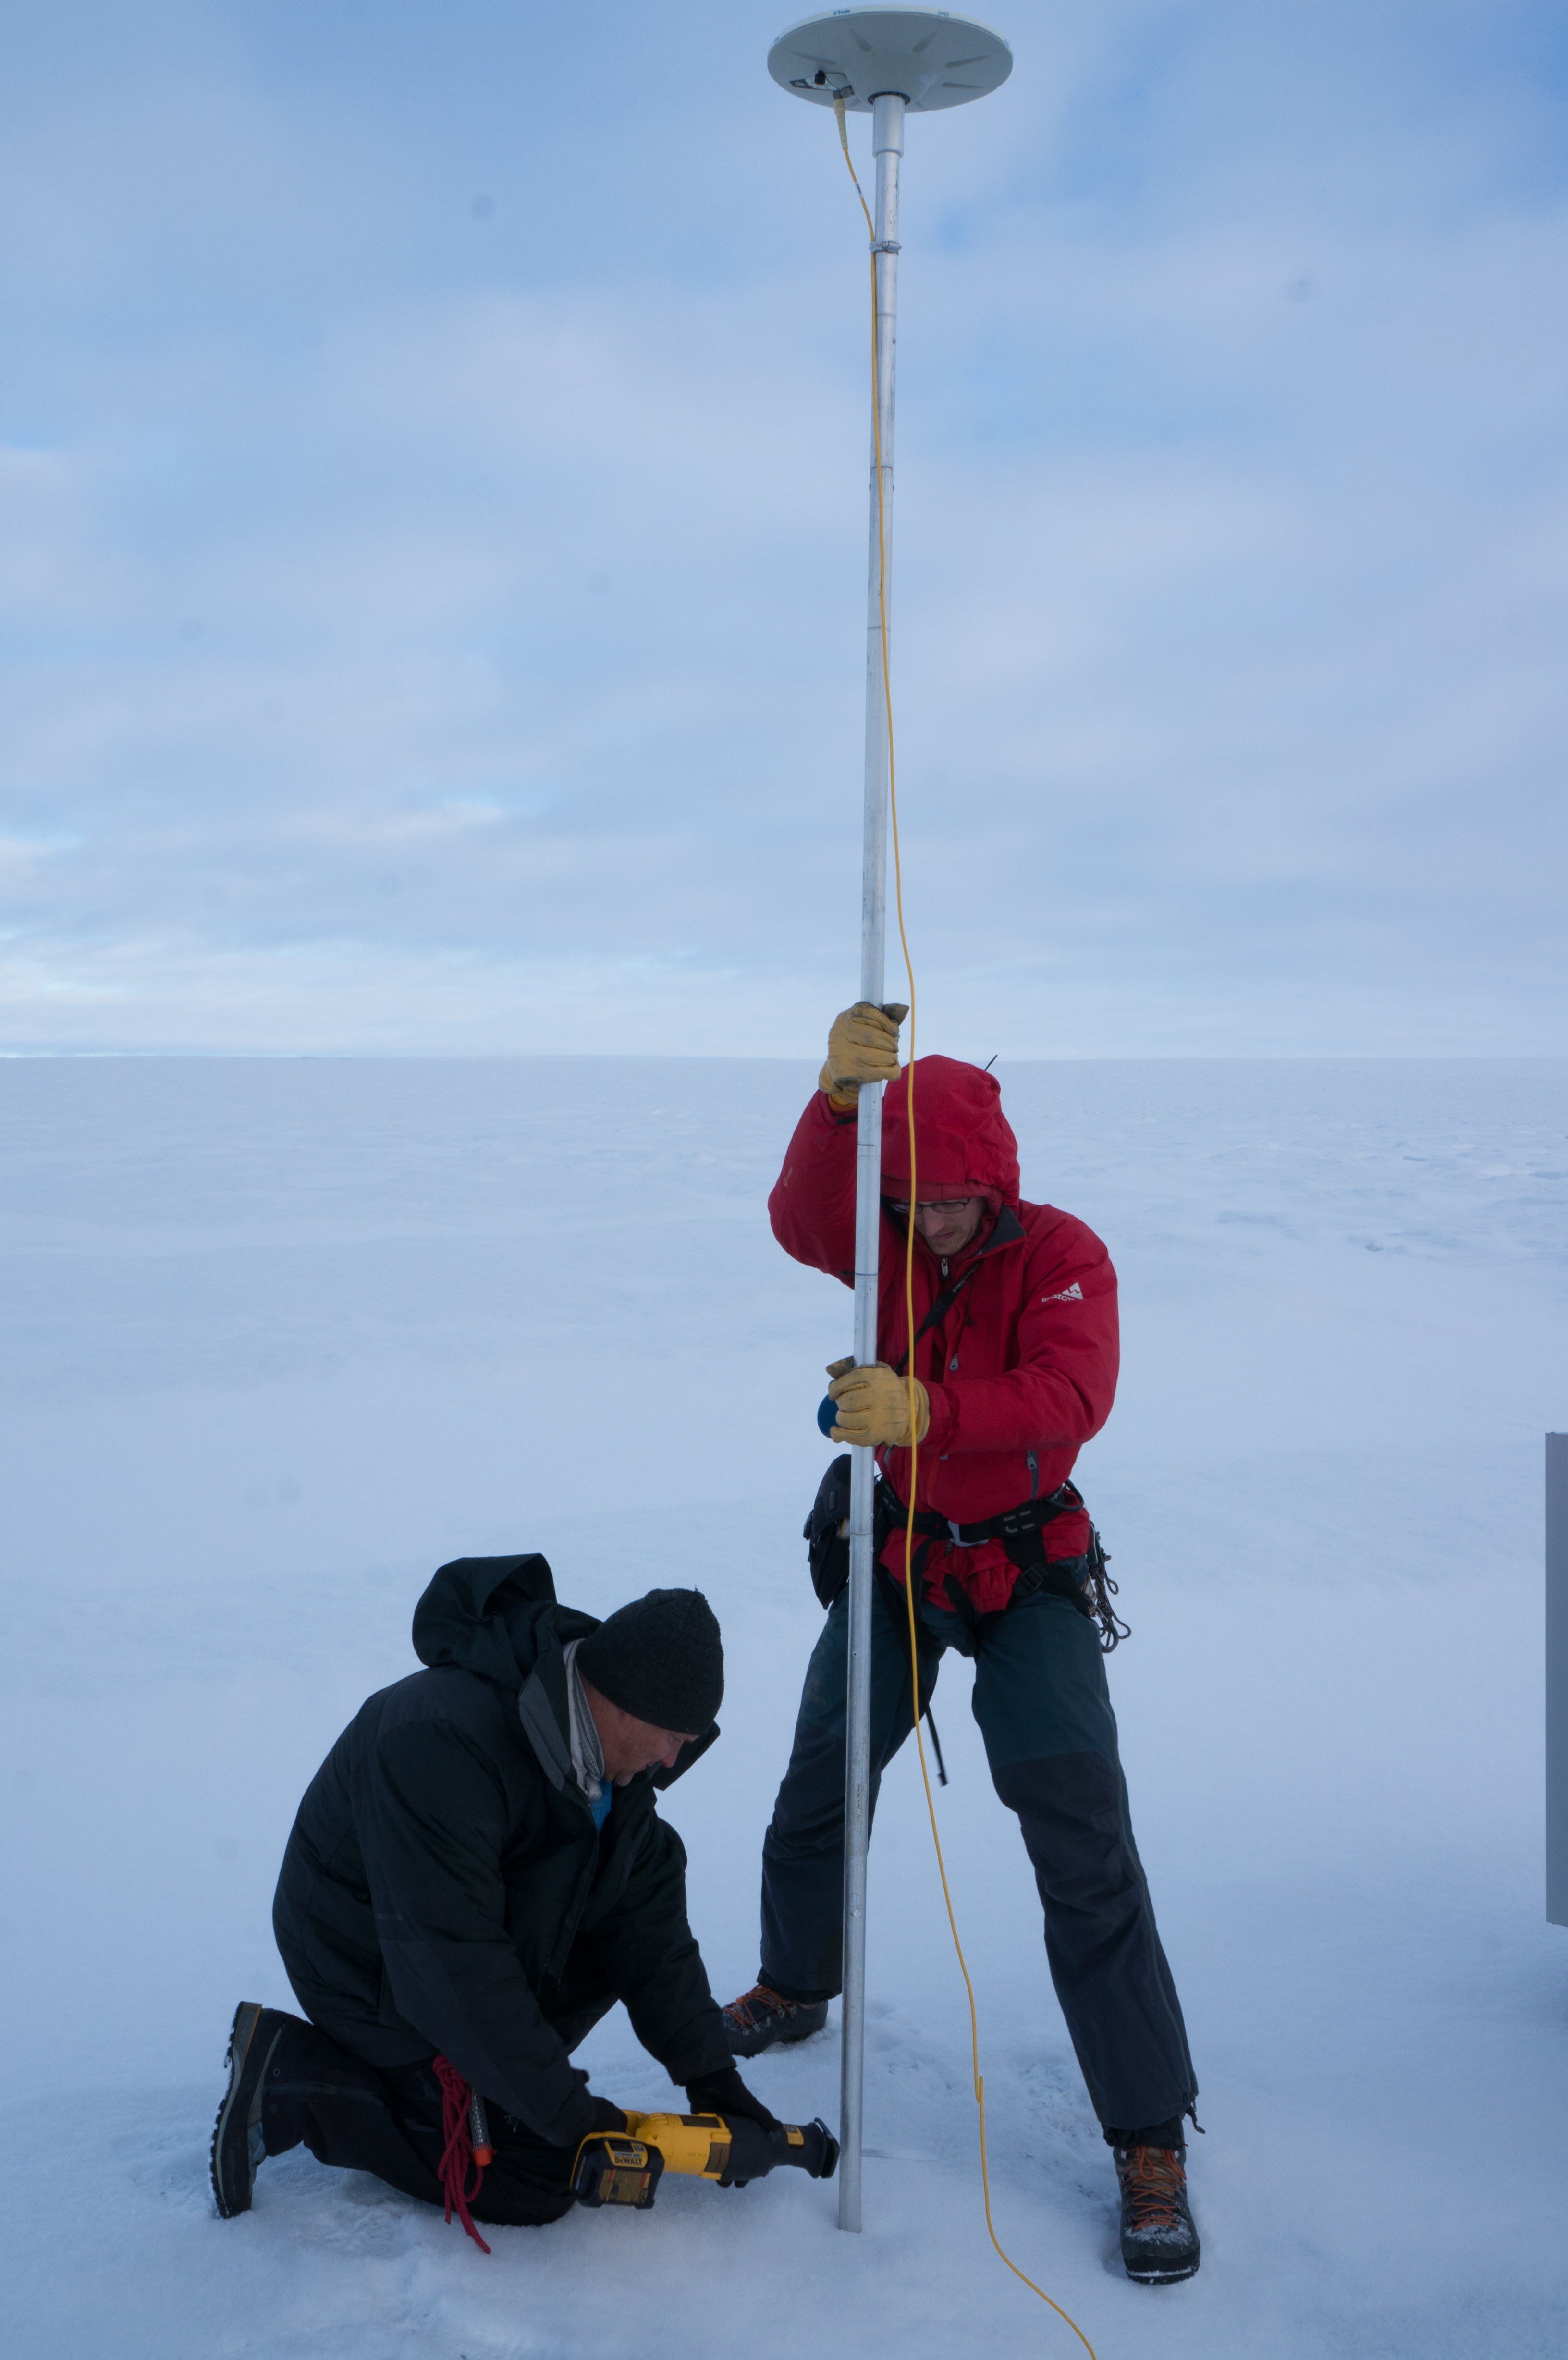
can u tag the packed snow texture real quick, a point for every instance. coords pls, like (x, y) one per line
(283, 1337)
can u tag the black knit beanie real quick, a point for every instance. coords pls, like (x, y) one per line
(661, 1659)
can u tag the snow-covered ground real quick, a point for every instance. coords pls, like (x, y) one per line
(282, 1337)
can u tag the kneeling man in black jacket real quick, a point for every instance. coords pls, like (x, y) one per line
(476, 1874)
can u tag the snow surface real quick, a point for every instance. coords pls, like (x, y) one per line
(282, 1337)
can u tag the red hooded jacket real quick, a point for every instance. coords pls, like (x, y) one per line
(1022, 1369)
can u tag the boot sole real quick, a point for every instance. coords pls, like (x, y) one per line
(1162, 2278)
(232, 2190)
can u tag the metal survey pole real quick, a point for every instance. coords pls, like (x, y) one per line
(885, 62)
(1557, 1679)
(887, 147)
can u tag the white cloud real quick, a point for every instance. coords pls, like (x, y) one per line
(440, 630)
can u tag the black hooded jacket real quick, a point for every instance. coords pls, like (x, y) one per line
(444, 1864)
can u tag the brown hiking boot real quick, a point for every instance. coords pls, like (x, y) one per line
(762, 2018)
(1160, 2244)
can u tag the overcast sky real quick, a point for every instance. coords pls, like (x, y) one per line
(432, 511)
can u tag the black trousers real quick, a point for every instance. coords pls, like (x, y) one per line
(1044, 1711)
(387, 2120)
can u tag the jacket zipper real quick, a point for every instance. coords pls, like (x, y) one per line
(579, 1902)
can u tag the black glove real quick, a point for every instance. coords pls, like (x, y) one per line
(725, 2093)
(543, 2163)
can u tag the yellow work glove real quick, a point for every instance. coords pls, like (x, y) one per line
(873, 1404)
(863, 1046)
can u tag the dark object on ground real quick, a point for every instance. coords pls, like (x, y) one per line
(762, 2018)
(1160, 2244)
(237, 2143)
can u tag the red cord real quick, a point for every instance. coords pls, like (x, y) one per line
(457, 2151)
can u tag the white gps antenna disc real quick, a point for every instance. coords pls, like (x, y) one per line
(931, 58)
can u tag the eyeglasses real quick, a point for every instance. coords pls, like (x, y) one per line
(939, 1205)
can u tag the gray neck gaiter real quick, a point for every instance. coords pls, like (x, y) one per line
(587, 1754)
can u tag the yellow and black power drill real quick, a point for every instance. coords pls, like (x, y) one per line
(625, 2167)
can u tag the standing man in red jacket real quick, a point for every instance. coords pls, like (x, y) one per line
(1015, 1358)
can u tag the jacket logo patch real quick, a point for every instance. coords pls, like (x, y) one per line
(1073, 1293)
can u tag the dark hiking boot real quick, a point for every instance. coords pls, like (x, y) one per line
(1160, 2244)
(238, 2145)
(761, 2019)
